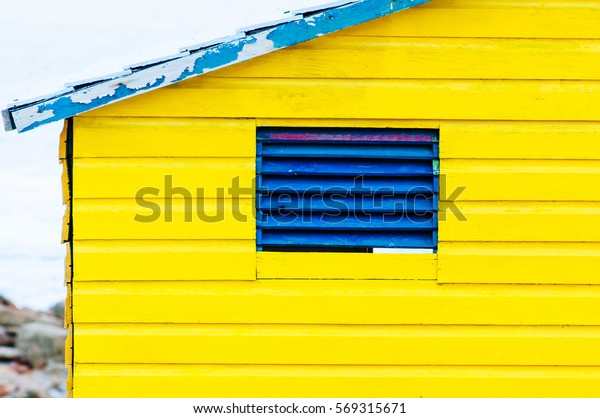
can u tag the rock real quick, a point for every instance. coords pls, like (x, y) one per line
(20, 368)
(19, 381)
(56, 373)
(6, 389)
(9, 353)
(10, 315)
(6, 302)
(41, 343)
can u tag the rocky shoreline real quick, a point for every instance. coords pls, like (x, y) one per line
(31, 352)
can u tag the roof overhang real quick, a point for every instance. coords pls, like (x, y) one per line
(296, 27)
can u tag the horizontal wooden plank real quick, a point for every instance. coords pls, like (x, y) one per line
(348, 123)
(520, 180)
(427, 58)
(312, 98)
(312, 265)
(519, 263)
(490, 19)
(154, 177)
(520, 140)
(108, 219)
(335, 302)
(246, 381)
(159, 137)
(522, 221)
(114, 260)
(336, 344)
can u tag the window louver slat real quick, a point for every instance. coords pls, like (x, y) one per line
(274, 185)
(293, 166)
(334, 150)
(347, 188)
(356, 239)
(376, 204)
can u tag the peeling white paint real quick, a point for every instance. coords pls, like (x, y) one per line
(140, 83)
(75, 84)
(30, 116)
(41, 98)
(86, 97)
(255, 49)
(311, 21)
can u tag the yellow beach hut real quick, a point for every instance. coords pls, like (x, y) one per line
(348, 202)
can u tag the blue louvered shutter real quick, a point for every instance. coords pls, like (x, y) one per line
(347, 189)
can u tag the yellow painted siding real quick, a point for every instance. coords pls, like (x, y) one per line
(384, 57)
(328, 344)
(163, 137)
(369, 99)
(528, 192)
(518, 262)
(503, 19)
(114, 219)
(280, 265)
(166, 260)
(115, 158)
(107, 178)
(521, 140)
(509, 306)
(335, 302)
(244, 381)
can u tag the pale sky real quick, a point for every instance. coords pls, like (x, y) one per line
(46, 43)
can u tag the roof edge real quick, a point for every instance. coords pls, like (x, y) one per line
(7, 121)
(304, 25)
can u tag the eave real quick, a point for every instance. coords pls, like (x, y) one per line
(297, 27)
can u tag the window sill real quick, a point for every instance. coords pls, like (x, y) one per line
(349, 266)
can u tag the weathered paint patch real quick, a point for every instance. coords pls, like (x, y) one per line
(335, 19)
(62, 105)
(98, 79)
(216, 57)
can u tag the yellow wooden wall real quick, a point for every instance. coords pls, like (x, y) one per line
(508, 307)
